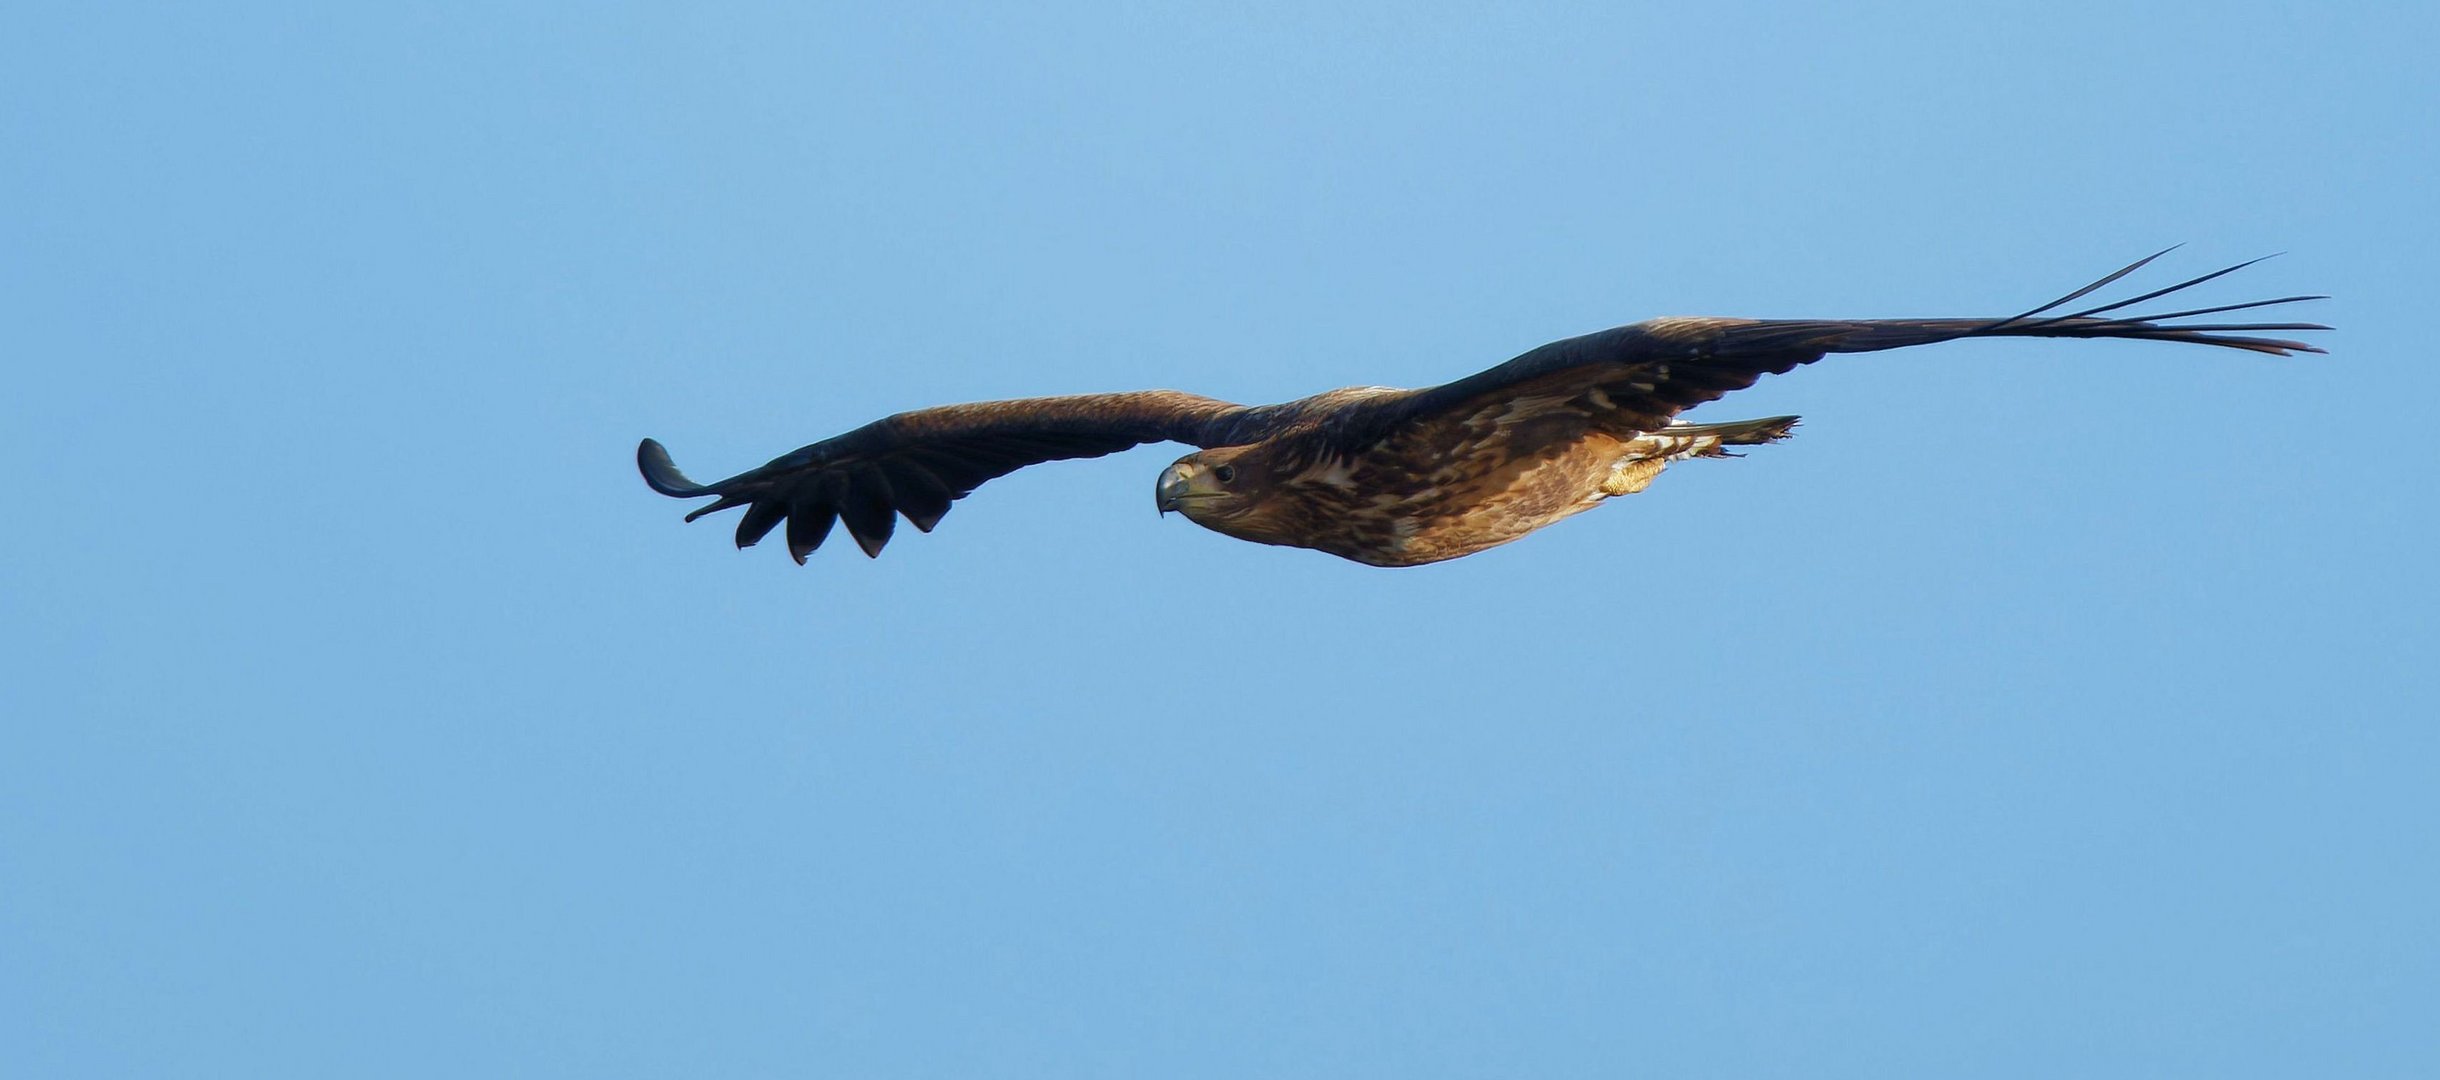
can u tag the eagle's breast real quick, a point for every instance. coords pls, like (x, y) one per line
(1452, 488)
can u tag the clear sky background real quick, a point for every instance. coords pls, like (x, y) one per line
(2042, 709)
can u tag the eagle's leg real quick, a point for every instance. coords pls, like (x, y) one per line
(1646, 455)
(1631, 475)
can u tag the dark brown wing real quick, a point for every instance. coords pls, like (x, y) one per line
(1633, 379)
(917, 463)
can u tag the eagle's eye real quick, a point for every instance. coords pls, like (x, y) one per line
(1226, 474)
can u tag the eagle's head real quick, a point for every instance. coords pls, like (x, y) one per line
(1221, 489)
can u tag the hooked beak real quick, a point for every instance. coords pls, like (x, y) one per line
(1183, 484)
(1172, 491)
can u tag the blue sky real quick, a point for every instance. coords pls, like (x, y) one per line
(2041, 709)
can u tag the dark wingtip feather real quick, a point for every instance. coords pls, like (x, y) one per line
(2156, 293)
(758, 522)
(871, 527)
(809, 523)
(866, 510)
(2085, 291)
(2157, 326)
(662, 473)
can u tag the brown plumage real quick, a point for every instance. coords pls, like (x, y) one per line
(1381, 476)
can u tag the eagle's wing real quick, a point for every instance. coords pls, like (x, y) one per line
(916, 463)
(1633, 379)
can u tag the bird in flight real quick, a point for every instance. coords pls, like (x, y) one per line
(1392, 477)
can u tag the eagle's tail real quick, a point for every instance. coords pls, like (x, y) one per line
(1873, 335)
(1680, 441)
(1647, 454)
(1736, 432)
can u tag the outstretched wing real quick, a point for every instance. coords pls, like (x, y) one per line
(1634, 379)
(916, 463)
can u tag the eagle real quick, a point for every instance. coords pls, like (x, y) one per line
(1393, 477)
